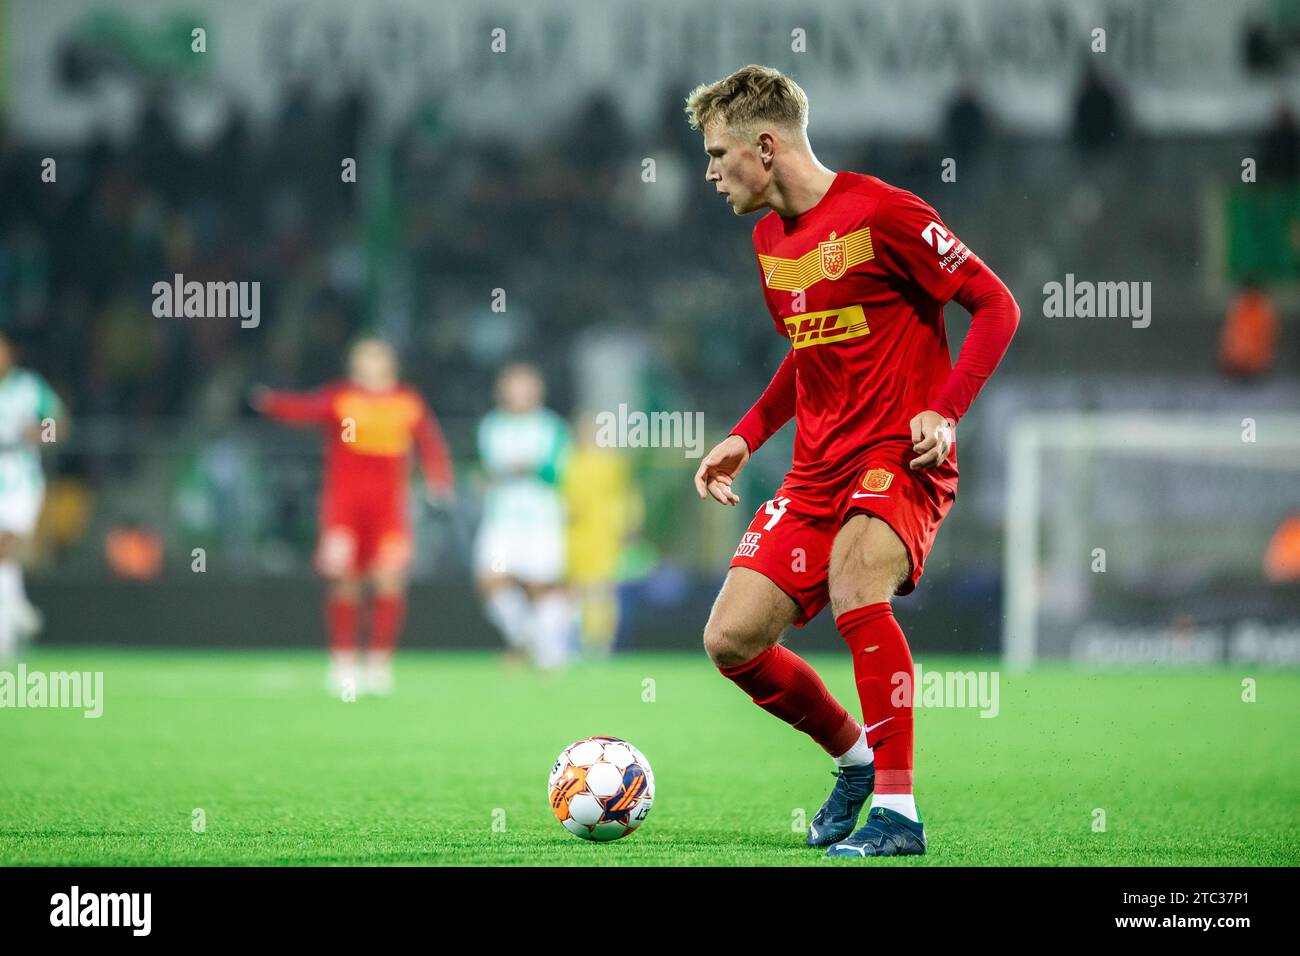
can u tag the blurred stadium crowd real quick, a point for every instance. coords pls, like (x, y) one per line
(567, 227)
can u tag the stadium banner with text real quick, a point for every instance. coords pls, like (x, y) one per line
(882, 65)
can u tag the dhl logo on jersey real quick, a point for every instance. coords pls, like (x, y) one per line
(833, 325)
(828, 260)
(383, 424)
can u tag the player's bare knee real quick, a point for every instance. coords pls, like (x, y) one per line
(719, 642)
(389, 582)
(729, 643)
(491, 583)
(347, 587)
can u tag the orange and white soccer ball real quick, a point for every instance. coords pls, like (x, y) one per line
(601, 788)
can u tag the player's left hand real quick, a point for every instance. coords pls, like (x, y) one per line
(932, 439)
(439, 496)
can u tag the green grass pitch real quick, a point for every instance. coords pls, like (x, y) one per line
(1184, 770)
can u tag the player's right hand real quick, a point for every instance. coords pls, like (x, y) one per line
(719, 469)
(258, 396)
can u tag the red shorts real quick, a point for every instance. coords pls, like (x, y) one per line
(362, 530)
(789, 540)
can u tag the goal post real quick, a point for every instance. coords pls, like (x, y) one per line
(1151, 527)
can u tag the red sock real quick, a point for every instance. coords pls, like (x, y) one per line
(783, 684)
(880, 659)
(386, 622)
(341, 623)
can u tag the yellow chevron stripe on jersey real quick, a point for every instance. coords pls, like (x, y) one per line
(791, 275)
(833, 325)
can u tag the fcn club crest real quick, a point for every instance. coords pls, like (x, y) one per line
(877, 479)
(835, 261)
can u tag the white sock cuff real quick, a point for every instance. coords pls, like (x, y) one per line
(859, 755)
(904, 803)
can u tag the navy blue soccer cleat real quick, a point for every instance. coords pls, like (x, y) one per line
(839, 814)
(886, 833)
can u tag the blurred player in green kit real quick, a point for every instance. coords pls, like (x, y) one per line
(30, 412)
(520, 552)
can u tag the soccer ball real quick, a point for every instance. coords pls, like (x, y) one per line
(601, 788)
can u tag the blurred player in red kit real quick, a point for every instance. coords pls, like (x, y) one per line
(855, 273)
(371, 421)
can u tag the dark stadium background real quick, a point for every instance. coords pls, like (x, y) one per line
(523, 171)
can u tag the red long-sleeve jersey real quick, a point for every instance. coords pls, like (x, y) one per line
(369, 434)
(857, 284)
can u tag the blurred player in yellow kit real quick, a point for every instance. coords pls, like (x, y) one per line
(604, 509)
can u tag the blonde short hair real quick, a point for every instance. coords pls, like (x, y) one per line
(752, 95)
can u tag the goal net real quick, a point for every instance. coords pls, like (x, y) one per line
(1146, 539)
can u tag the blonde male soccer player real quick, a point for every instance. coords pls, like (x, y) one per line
(855, 273)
